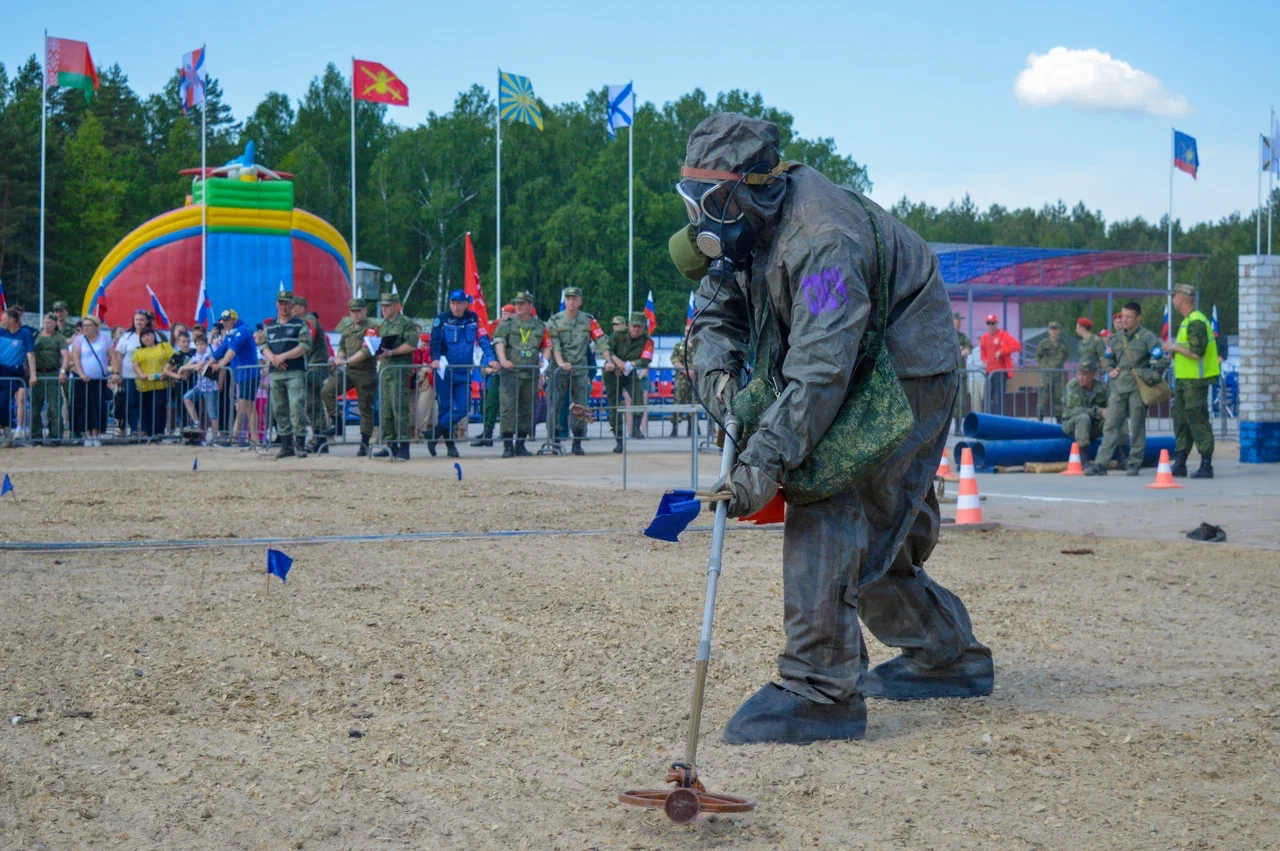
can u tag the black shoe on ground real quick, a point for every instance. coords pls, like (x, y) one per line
(774, 714)
(383, 451)
(1095, 470)
(617, 446)
(521, 451)
(508, 449)
(1179, 468)
(363, 451)
(286, 448)
(299, 448)
(1133, 471)
(451, 448)
(1206, 467)
(903, 678)
(577, 447)
(485, 438)
(431, 447)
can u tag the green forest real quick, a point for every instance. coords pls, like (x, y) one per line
(113, 163)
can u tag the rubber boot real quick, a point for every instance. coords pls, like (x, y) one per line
(774, 714)
(521, 451)
(617, 447)
(451, 448)
(363, 451)
(404, 450)
(1206, 467)
(577, 447)
(903, 678)
(383, 450)
(286, 448)
(485, 438)
(299, 447)
(636, 432)
(508, 449)
(1180, 465)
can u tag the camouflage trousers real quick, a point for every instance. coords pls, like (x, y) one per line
(1049, 399)
(394, 397)
(315, 395)
(1084, 429)
(683, 396)
(289, 402)
(492, 401)
(47, 391)
(861, 554)
(1191, 423)
(365, 382)
(1124, 407)
(578, 385)
(517, 404)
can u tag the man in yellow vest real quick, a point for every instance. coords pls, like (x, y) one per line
(1195, 370)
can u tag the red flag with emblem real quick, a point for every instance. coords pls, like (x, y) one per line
(374, 81)
(471, 278)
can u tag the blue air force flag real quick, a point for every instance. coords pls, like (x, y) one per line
(622, 108)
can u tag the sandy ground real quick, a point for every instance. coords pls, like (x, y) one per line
(506, 689)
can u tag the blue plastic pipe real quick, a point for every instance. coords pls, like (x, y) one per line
(988, 454)
(994, 427)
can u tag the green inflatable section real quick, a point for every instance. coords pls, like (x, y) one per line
(257, 195)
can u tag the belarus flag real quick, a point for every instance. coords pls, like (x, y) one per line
(68, 63)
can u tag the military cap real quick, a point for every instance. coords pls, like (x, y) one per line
(638, 318)
(389, 298)
(1178, 289)
(568, 291)
(301, 301)
(619, 320)
(1088, 365)
(1054, 326)
(956, 316)
(51, 316)
(356, 304)
(284, 296)
(60, 305)
(524, 296)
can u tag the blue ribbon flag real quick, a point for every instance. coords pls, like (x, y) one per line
(278, 563)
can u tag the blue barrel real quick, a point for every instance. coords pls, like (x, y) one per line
(995, 427)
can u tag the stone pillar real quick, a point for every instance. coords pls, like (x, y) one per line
(1260, 359)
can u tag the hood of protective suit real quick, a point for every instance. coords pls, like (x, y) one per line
(729, 141)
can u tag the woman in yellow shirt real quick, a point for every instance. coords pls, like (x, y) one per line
(149, 361)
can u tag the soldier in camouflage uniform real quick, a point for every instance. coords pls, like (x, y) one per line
(1051, 354)
(317, 371)
(1086, 407)
(520, 341)
(572, 334)
(681, 357)
(630, 351)
(1133, 348)
(966, 345)
(1092, 347)
(286, 342)
(360, 369)
(1195, 371)
(399, 336)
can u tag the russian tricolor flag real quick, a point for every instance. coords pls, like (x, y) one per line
(204, 307)
(162, 318)
(649, 313)
(1164, 327)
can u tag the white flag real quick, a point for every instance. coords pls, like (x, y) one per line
(1267, 155)
(622, 107)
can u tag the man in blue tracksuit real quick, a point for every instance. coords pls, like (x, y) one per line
(454, 336)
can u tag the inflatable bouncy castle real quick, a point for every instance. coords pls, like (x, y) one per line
(258, 242)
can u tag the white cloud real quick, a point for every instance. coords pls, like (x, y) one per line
(1091, 79)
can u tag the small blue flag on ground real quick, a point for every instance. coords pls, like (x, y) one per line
(6, 486)
(458, 467)
(278, 563)
(676, 511)
(195, 464)
(1185, 157)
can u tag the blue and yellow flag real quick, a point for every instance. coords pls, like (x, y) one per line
(516, 100)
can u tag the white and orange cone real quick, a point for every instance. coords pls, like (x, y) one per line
(1074, 467)
(968, 502)
(1164, 474)
(944, 469)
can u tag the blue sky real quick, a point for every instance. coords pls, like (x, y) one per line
(922, 93)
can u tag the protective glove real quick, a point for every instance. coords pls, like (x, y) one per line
(751, 487)
(717, 388)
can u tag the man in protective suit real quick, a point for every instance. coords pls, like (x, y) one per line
(781, 244)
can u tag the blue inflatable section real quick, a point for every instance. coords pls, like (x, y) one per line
(247, 270)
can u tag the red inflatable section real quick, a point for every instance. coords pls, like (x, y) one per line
(325, 285)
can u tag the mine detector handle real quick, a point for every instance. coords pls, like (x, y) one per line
(727, 458)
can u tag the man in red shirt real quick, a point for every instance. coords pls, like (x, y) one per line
(997, 348)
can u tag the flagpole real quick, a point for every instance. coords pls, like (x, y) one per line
(1270, 182)
(1173, 155)
(353, 169)
(631, 206)
(204, 184)
(1258, 213)
(497, 128)
(44, 119)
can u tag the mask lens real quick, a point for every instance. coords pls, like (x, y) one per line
(690, 199)
(716, 201)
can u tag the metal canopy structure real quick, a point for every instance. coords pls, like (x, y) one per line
(1021, 268)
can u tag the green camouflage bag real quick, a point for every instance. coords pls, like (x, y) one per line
(871, 424)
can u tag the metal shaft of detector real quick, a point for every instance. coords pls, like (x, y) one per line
(709, 609)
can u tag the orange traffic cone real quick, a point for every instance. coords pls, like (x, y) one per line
(1074, 467)
(1164, 474)
(944, 469)
(968, 503)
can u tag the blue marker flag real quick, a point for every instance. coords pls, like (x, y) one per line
(458, 467)
(195, 464)
(6, 486)
(278, 563)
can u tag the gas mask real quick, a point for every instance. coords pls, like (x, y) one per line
(721, 231)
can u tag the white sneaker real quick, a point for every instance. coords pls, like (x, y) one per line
(88, 441)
